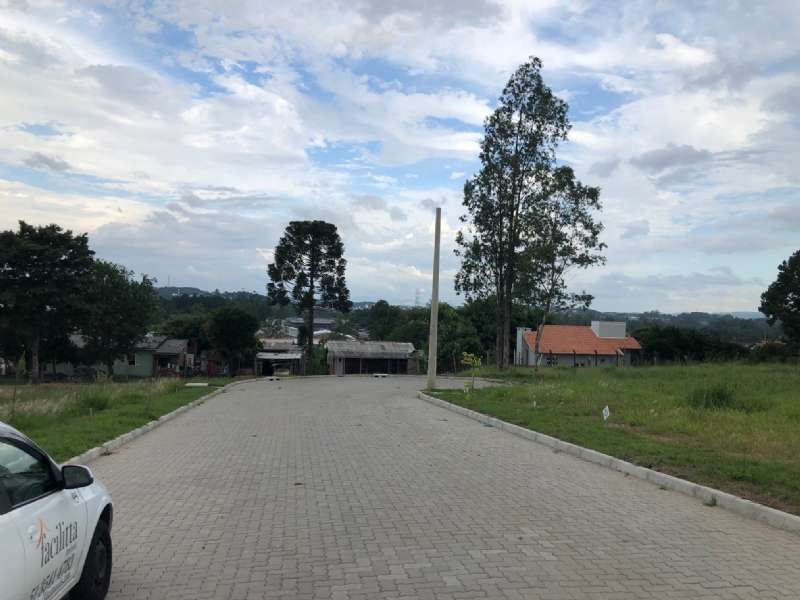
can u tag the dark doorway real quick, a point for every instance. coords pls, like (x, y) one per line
(367, 366)
(267, 369)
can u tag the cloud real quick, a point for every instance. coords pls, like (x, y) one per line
(785, 216)
(635, 229)
(37, 160)
(226, 197)
(82, 213)
(431, 205)
(604, 168)
(656, 161)
(784, 101)
(397, 214)
(372, 202)
(448, 12)
(721, 275)
(717, 289)
(224, 124)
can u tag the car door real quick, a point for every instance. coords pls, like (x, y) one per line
(50, 521)
(12, 565)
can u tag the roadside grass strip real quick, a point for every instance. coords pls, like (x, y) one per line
(734, 427)
(67, 419)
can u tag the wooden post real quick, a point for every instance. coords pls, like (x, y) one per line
(434, 330)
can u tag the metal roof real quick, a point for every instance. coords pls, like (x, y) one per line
(356, 349)
(160, 344)
(279, 344)
(279, 355)
(150, 342)
(317, 321)
(172, 346)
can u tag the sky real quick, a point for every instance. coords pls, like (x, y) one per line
(184, 136)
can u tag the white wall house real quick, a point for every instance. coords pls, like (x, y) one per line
(601, 343)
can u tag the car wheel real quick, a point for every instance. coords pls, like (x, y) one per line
(96, 575)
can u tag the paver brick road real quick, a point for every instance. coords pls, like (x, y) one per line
(353, 488)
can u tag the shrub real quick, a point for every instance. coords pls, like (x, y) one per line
(94, 401)
(717, 396)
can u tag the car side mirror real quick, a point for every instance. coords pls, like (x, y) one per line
(76, 476)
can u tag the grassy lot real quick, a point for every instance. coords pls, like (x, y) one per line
(67, 419)
(734, 426)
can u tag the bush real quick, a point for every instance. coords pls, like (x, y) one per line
(721, 396)
(718, 396)
(94, 401)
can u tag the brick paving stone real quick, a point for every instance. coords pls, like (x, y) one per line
(352, 488)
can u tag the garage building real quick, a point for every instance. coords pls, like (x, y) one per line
(354, 358)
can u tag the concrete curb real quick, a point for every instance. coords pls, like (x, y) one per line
(709, 496)
(126, 438)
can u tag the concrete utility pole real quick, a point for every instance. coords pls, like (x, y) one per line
(434, 333)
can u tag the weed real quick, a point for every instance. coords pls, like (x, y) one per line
(716, 396)
(94, 401)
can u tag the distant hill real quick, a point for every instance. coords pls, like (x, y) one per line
(746, 314)
(172, 291)
(363, 305)
(745, 327)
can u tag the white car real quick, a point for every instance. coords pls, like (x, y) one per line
(55, 526)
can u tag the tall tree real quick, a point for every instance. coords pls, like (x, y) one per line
(383, 317)
(781, 300)
(120, 311)
(309, 271)
(232, 332)
(563, 234)
(518, 152)
(43, 272)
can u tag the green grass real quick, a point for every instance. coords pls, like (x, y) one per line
(732, 426)
(67, 419)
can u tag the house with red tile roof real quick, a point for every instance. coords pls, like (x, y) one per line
(602, 343)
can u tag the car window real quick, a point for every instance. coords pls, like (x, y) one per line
(23, 475)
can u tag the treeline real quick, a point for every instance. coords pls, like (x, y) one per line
(471, 328)
(188, 301)
(468, 328)
(681, 345)
(52, 288)
(726, 327)
(675, 344)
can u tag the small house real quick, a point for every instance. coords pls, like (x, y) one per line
(153, 355)
(602, 343)
(357, 357)
(278, 355)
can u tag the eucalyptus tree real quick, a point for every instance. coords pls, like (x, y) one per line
(518, 156)
(563, 234)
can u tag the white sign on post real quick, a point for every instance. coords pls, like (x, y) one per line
(606, 413)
